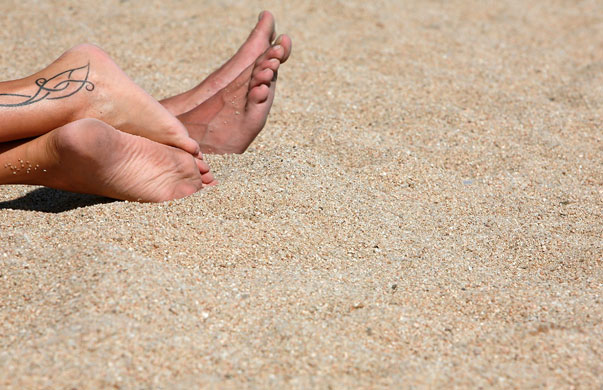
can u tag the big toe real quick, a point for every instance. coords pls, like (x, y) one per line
(187, 144)
(265, 28)
(175, 134)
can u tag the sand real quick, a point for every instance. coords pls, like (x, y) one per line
(423, 209)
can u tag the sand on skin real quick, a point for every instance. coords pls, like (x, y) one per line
(422, 210)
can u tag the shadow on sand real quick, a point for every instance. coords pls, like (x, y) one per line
(49, 200)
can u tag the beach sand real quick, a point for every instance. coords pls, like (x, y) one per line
(423, 209)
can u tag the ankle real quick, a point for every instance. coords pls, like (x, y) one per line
(100, 68)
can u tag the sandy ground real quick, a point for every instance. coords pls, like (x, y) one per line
(423, 209)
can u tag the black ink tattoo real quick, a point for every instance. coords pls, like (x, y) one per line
(60, 86)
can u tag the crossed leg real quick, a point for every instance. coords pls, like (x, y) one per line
(85, 83)
(58, 129)
(63, 98)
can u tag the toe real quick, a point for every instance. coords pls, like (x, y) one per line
(176, 134)
(189, 145)
(273, 64)
(208, 179)
(277, 51)
(273, 52)
(259, 94)
(259, 101)
(265, 26)
(203, 166)
(261, 76)
(285, 42)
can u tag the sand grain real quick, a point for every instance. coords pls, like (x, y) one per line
(422, 210)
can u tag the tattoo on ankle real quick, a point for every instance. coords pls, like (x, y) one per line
(60, 86)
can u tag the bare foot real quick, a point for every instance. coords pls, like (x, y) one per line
(118, 101)
(258, 41)
(85, 83)
(89, 156)
(231, 119)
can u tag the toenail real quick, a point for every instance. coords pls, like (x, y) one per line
(279, 39)
(277, 47)
(260, 16)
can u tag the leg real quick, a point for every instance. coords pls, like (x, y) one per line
(258, 41)
(230, 120)
(85, 83)
(75, 158)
